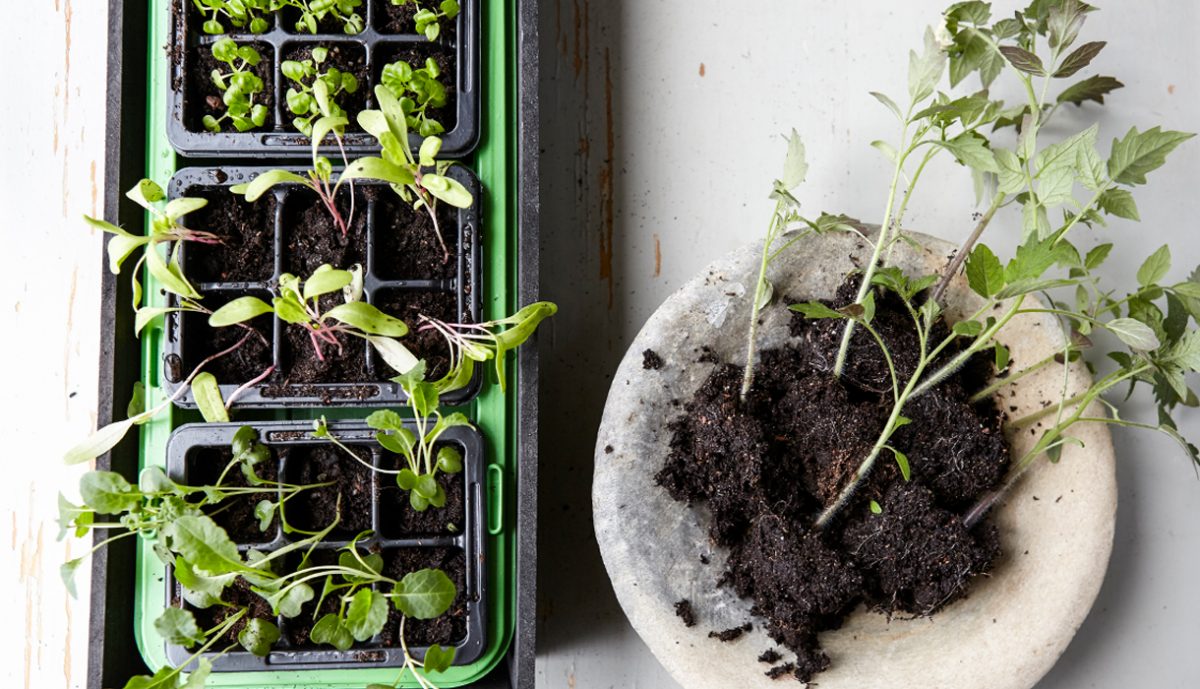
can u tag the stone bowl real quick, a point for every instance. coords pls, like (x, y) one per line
(1056, 527)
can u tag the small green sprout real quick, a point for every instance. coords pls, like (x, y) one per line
(241, 14)
(298, 303)
(420, 180)
(418, 90)
(239, 86)
(312, 12)
(471, 343)
(314, 93)
(427, 21)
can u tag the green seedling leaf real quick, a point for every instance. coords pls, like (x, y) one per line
(368, 319)
(201, 542)
(795, 166)
(178, 626)
(1077, 60)
(258, 636)
(1134, 333)
(264, 182)
(448, 190)
(1141, 152)
(449, 460)
(393, 353)
(331, 630)
(424, 594)
(67, 572)
(816, 310)
(366, 614)
(290, 601)
(1023, 60)
(1119, 202)
(325, 280)
(406, 479)
(200, 589)
(985, 274)
(1094, 88)
(239, 310)
(107, 492)
(875, 508)
(438, 659)
(1155, 268)
(207, 392)
(902, 462)
(370, 565)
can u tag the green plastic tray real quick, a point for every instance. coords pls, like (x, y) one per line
(493, 412)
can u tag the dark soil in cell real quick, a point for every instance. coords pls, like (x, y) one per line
(202, 97)
(245, 363)
(347, 365)
(767, 466)
(235, 514)
(237, 594)
(447, 629)
(415, 54)
(428, 344)
(408, 246)
(317, 508)
(246, 253)
(328, 25)
(400, 520)
(345, 57)
(312, 238)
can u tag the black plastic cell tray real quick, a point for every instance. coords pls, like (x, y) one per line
(282, 139)
(276, 391)
(469, 541)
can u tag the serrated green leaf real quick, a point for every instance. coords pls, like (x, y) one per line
(1119, 202)
(816, 310)
(795, 167)
(985, 274)
(1155, 267)
(1023, 60)
(1141, 152)
(1010, 173)
(204, 544)
(925, 70)
(1078, 59)
(971, 150)
(1094, 88)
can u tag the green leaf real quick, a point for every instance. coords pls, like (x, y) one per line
(107, 492)
(366, 614)
(178, 626)
(1081, 57)
(971, 150)
(1141, 152)
(393, 353)
(368, 319)
(875, 508)
(448, 189)
(263, 182)
(426, 486)
(1119, 202)
(1011, 174)
(1002, 357)
(406, 479)
(424, 594)
(1155, 267)
(168, 276)
(199, 588)
(902, 462)
(1134, 333)
(177, 208)
(258, 636)
(795, 167)
(290, 600)
(98, 443)
(67, 573)
(385, 420)
(325, 280)
(239, 310)
(925, 70)
(985, 274)
(380, 169)
(208, 398)
(449, 460)
(331, 630)
(888, 103)
(146, 193)
(967, 328)
(369, 565)
(816, 310)
(1023, 60)
(1093, 88)
(1096, 256)
(201, 542)
(438, 659)
(145, 316)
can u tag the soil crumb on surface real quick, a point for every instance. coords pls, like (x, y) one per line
(684, 610)
(765, 468)
(731, 633)
(651, 361)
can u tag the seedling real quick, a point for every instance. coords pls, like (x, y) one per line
(471, 343)
(298, 303)
(1155, 323)
(241, 14)
(421, 180)
(239, 86)
(427, 21)
(312, 12)
(165, 230)
(314, 93)
(318, 179)
(418, 90)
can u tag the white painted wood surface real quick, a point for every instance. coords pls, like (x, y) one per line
(53, 153)
(662, 135)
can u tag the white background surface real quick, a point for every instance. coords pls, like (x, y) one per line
(641, 150)
(645, 148)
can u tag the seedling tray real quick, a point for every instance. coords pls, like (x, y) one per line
(190, 452)
(457, 294)
(371, 50)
